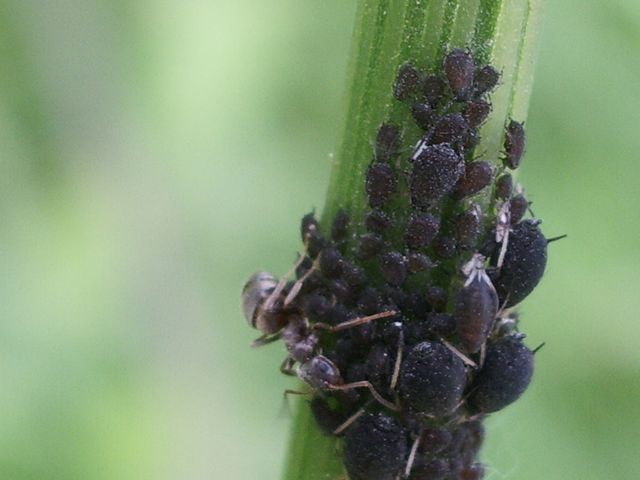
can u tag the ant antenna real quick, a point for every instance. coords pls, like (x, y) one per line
(355, 322)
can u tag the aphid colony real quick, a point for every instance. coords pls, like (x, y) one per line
(402, 328)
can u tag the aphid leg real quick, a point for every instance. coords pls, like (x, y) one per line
(374, 393)
(355, 322)
(398, 363)
(466, 360)
(347, 423)
(412, 455)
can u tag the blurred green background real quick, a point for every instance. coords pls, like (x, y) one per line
(155, 153)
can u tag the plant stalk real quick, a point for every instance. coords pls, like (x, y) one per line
(388, 34)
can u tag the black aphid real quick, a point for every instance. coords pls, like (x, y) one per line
(353, 275)
(504, 187)
(433, 88)
(485, 80)
(340, 225)
(369, 245)
(311, 235)
(459, 67)
(451, 128)
(375, 447)
(434, 440)
(523, 264)
(406, 82)
(316, 307)
(477, 175)
(474, 472)
(418, 262)
(518, 206)
(467, 226)
(387, 142)
(421, 230)
(445, 246)
(377, 221)
(327, 418)
(505, 376)
(436, 170)
(330, 262)
(423, 115)
(514, 144)
(437, 298)
(432, 380)
(394, 268)
(381, 183)
(475, 306)
(435, 469)
(476, 112)
(379, 366)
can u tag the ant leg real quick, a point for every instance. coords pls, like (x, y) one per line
(347, 423)
(366, 384)
(466, 360)
(268, 304)
(412, 455)
(265, 340)
(287, 367)
(295, 289)
(355, 322)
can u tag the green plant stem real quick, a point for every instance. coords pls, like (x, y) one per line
(387, 34)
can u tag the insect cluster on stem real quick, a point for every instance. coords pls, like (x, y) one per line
(402, 325)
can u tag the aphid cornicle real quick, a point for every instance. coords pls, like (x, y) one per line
(375, 447)
(475, 306)
(523, 265)
(436, 170)
(514, 144)
(432, 380)
(503, 378)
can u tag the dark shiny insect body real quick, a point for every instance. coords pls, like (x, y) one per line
(514, 144)
(524, 263)
(475, 307)
(406, 82)
(436, 170)
(477, 176)
(381, 183)
(459, 68)
(432, 380)
(375, 448)
(387, 142)
(504, 187)
(504, 377)
(421, 230)
(467, 227)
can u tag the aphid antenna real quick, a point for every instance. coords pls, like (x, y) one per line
(554, 239)
(538, 348)
(466, 360)
(354, 322)
(349, 421)
(412, 454)
(366, 384)
(398, 362)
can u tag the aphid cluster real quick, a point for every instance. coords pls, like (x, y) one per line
(402, 328)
